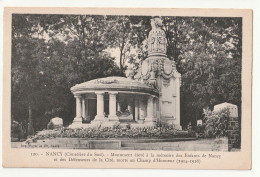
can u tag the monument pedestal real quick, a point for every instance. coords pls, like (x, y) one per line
(77, 123)
(140, 121)
(113, 118)
(98, 120)
(149, 121)
(177, 126)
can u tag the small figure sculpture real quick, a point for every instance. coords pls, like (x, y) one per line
(156, 23)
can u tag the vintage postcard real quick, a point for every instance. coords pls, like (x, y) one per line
(127, 88)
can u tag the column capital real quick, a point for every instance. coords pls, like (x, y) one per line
(112, 93)
(99, 92)
(77, 96)
(153, 96)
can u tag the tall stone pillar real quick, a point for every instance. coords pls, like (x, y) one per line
(136, 109)
(87, 110)
(149, 118)
(78, 118)
(83, 107)
(178, 123)
(155, 108)
(112, 106)
(100, 106)
(141, 111)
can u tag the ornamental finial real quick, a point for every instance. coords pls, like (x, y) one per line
(156, 23)
(157, 39)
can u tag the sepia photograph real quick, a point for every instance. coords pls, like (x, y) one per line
(127, 82)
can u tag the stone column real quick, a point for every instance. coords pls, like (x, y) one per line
(178, 123)
(112, 106)
(136, 109)
(83, 107)
(155, 108)
(78, 118)
(141, 111)
(87, 110)
(100, 106)
(149, 118)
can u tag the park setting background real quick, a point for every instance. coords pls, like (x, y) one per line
(51, 53)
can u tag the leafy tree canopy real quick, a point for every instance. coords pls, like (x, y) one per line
(51, 53)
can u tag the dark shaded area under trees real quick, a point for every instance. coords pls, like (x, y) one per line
(51, 53)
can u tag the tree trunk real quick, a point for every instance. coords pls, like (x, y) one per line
(175, 55)
(121, 55)
(30, 121)
(83, 38)
(120, 60)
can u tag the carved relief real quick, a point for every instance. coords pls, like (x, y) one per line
(167, 67)
(145, 70)
(152, 44)
(106, 82)
(157, 39)
(166, 83)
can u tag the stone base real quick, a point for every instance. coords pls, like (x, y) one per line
(83, 126)
(113, 118)
(141, 125)
(172, 144)
(124, 125)
(152, 124)
(109, 124)
(77, 123)
(171, 122)
(99, 118)
(90, 125)
(149, 121)
(77, 120)
(140, 121)
(104, 123)
(178, 127)
(96, 122)
(104, 144)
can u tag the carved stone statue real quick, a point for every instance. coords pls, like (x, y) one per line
(156, 23)
(157, 39)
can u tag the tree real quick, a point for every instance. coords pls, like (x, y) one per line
(127, 33)
(27, 50)
(207, 53)
(48, 58)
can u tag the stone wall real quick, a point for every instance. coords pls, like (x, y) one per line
(234, 135)
(218, 144)
(234, 138)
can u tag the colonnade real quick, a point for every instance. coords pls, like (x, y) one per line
(144, 113)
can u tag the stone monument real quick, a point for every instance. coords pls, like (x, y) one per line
(152, 97)
(57, 122)
(160, 72)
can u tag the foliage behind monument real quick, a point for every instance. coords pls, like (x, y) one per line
(51, 53)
